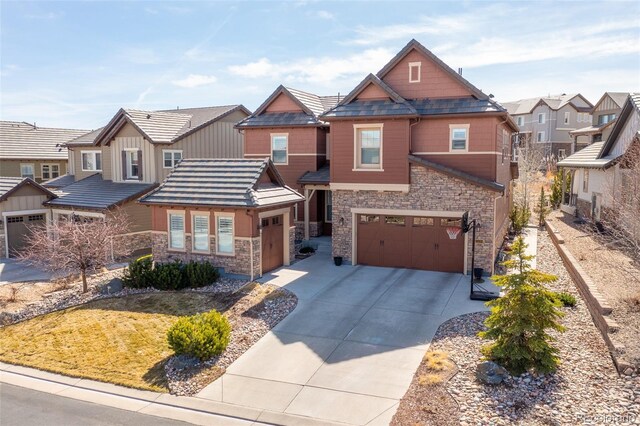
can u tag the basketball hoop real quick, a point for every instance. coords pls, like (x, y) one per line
(453, 232)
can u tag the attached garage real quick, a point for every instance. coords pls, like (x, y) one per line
(272, 243)
(21, 207)
(416, 242)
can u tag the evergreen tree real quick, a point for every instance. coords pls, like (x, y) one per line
(556, 190)
(519, 321)
(541, 208)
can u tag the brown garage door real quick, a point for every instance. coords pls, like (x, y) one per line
(409, 242)
(272, 243)
(18, 229)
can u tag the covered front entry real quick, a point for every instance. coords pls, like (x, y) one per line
(272, 243)
(416, 242)
(18, 229)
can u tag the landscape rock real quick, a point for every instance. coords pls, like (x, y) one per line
(491, 373)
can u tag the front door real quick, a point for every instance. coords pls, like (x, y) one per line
(272, 243)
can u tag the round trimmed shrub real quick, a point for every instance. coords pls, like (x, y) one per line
(202, 336)
(140, 273)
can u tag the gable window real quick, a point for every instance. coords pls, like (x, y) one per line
(201, 232)
(176, 231)
(91, 161)
(132, 164)
(561, 154)
(50, 171)
(368, 146)
(541, 118)
(606, 118)
(328, 212)
(171, 158)
(540, 137)
(279, 148)
(585, 181)
(224, 234)
(520, 120)
(414, 72)
(27, 171)
(459, 137)
(567, 117)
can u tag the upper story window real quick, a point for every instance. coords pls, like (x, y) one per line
(540, 137)
(567, 117)
(27, 171)
(520, 120)
(91, 161)
(171, 158)
(562, 154)
(541, 118)
(176, 230)
(279, 148)
(459, 137)
(368, 146)
(606, 118)
(50, 171)
(414, 72)
(132, 164)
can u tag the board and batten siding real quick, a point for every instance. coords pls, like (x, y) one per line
(219, 140)
(607, 104)
(139, 143)
(25, 198)
(625, 137)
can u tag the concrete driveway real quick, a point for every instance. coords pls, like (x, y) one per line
(12, 271)
(349, 350)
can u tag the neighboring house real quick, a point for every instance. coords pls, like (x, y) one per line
(27, 150)
(413, 148)
(113, 166)
(286, 129)
(548, 120)
(235, 213)
(20, 206)
(597, 177)
(604, 113)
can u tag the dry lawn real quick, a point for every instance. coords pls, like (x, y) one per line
(119, 340)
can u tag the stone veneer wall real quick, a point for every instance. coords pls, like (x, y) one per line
(315, 230)
(292, 244)
(584, 208)
(2, 246)
(139, 241)
(429, 190)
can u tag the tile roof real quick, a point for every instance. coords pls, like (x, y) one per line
(525, 106)
(586, 157)
(223, 183)
(455, 106)
(618, 97)
(322, 176)
(459, 174)
(317, 104)
(95, 193)
(373, 108)
(591, 129)
(86, 139)
(10, 184)
(279, 119)
(60, 181)
(21, 140)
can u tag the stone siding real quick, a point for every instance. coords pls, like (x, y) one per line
(429, 190)
(315, 230)
(584, 208)
(292, 244)
(2, 246)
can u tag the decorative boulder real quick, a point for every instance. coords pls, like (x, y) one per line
(491, 373)
(113, 286)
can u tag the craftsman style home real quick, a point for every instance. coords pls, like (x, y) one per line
(604, 113)
(390, 169)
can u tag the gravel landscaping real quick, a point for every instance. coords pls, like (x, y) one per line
(586, 388)
(615, 275)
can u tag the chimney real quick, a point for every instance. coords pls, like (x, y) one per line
(460, 71)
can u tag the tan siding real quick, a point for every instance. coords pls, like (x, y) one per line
(106, 161)
(11, 168)
(23, 202)
(71, 162)
(148, 160)
(234, 117)
(139, 215)
(607, 104)
(107, 172)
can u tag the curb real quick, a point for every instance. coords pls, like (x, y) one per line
(188, 409)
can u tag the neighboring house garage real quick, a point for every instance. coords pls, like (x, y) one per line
(21, 207)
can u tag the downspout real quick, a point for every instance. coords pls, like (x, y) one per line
(411, 135)
(251, 249)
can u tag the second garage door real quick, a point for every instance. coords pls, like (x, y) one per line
(410, 242)
(18, 229)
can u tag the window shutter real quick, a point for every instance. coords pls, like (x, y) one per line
(140, 165)
(124, 165)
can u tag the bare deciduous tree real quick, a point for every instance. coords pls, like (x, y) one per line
(77, 244)
(531, 163)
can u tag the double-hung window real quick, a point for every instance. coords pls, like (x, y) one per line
(201, 232)
(540, 137)
(171, 158)
(176, 231)
(567, 117)
(27, 171)
(50, 171)
(91, 161)
(224, 234)
(541, 118)
(520, 120)
(368, 147)
(459, 137)
(132, 166)
(279, 148)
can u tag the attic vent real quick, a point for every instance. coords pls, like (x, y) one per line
(148, 116)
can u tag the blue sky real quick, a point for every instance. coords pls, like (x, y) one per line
(73, 64)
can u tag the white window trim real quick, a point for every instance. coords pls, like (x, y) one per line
(94, 152)
(564, 153)
(33, 167)
(50, 169)
(193, 231)
(172, 152)
(127, 165)
(286, 135)
(585, 181)
(413, 65)
(357, 167)
(519, 119)
(544, 118)
(233, 226)
(466, 145)
(542, 139)
(567, 117)
(184, 232)
(326, 205)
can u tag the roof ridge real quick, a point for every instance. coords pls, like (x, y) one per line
(203, 107)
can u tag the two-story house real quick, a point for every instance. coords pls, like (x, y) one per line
(286, 129)
(415, 148)
(113, 166)
(548, 120)
(31, 151)
(604, 113)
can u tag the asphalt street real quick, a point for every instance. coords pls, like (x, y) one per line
(25, 407)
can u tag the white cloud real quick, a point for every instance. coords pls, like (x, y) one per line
(195, 80)
(323, 14)
(46, 16)
(140, 56)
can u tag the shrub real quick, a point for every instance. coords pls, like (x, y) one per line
(139, 274)
(541, 208)
(170, 276)
(202, 335)
(519, 321)
(200, 274)
(565, 299)
(519, 217)
(305, 250)
(556, 190)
